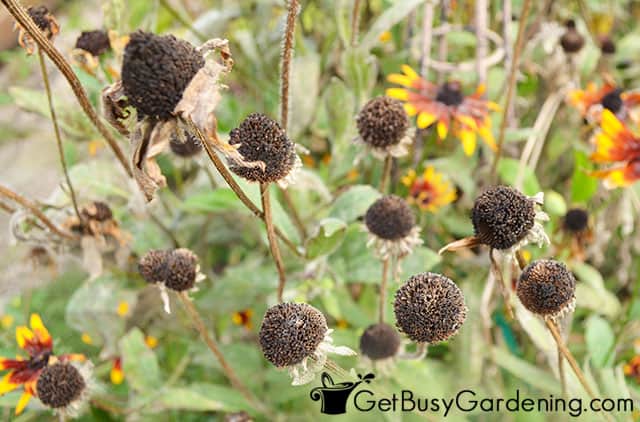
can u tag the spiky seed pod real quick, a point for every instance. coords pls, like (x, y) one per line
(94, 42)
(98, 211)
(571, 41)
(382, 122)
(613, 101)
(291, 332)
(546, 287)
(156, 70)
(379, 341)
(182, 269)
(41, 17)
(502, 216)
(262, 139)
(607, 46)
(59, 385)
(390, 218)
(450, 93)
(576, 220)
(429, 308)
(186, 147)
(153, 266)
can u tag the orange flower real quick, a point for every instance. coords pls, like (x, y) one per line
(591, 101)
(615, 144)
(446, 106)
(429, 192)
(38, 344)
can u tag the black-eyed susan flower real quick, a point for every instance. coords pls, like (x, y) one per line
(243, 318)
(383, 128)
(65, 387)
(547, 288)
(38, 344)
(116, 374)
(591, 101)
(295, 336)
(429, 191)
(619, 148)
(44, 20)
(392, 227)
(445, 106)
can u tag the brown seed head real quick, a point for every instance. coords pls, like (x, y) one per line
(546, 287)
(94, 42)
(182, 269)
(43, 19)
(185, 147)
(390, 218)
(379, 341)
(98, 211)
(59, 385)
(382, 122)
(576, 220)
(153, 266)
(571, 41)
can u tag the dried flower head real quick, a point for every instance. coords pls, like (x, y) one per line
(505, 219)
(64, 388)
(186, 145)
(379, 341)
(260, 138)
(44, 20)
(429, 308)
(571, 41)
(383, 126)
(576, 220)
(153, 266)
(391, 225)
(607, 45)
(295, 335)
(98, 211)
(94, 42)
(182, 270)
(546, 287)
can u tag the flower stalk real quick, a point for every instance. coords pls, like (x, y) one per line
(273, 241)
(383, 290)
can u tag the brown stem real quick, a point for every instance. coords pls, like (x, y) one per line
(8, 208)
(497, 271)
(355, 23)
(56, 130)
(58, 59)
(285, 71)
(563, 380)
(513, 71)
(273, 241)
(295, 215)
(8, 193)
(383, 291)
(213, 346)
(386, 173)
(555, 332)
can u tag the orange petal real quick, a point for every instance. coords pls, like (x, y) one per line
(23, 402)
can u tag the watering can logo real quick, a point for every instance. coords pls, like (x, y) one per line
(334, 396)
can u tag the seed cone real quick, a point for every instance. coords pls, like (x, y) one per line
(262, 139)
(390, 218)
(291, 332)
(156, 70)
(182, 268)
(382, 122)
(186, 147)
(607, 46)
(98, 211)
(95, 42)
(576, 220)
(153, 266)
(546, 287)
(379, 341)
(41, 17)
(612, 101)
(59, 385)
(429, 308)
(571, 41)
(450, 93)
(502, 216)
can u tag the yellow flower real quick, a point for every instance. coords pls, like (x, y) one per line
(592, 100)
(86, 338)
(385, 37)
(430, 191)
(446, 107)
(123, 308)
(151, 342)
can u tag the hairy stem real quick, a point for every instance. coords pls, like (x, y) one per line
(386, 173)
(273, 241)
(383, 291)
(504, 288)
(285, 65)
(513, 72)
(355, 23)
(61, 63)
(8, 193)
(56, 130)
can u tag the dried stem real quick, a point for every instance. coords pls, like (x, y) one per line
(217, 162)
(561, 374)
(285, 66)
(383, 290)
(56, 130)
(386, 173)
(6, 207)
(513, 71)
(427, 36)
(482, 46)
(61, 63)
(504, 289)
(355, 23)
(555, 332)
(273, 241)
(8, 193)
(198, 324)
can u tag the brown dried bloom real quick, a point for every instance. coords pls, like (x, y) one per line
(547, 288)
(379, 341)
(383, 127)
(94, 42)
(44, 20)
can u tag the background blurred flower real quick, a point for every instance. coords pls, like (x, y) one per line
(593, 100)
(429, 191)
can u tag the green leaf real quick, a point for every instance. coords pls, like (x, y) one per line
(390, 17)
(600, 341)
(583, 186)
(354, 202)
(554, 203)
(360, 71)
(139, 363)
(305, 78)
(339, 103)
(327, 239)
(527, 372)
(421, 260)
(508, 171)
(218, 200)
(202, 398)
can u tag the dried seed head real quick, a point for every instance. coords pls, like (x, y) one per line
(153, 266)
(607, 46)
(182, 269)
(382, 122)
(43, 19)
(576, 220)
(546, 287)
(94, 42)
(571, 41)
(450, 93)
(613, 101)
(262, 139)
(187, 146)
(59, 385)
(156, 70)
(379, 341)
(390, 218)
(98, 211)
(502, 216)
(429, 308)
(291, 332)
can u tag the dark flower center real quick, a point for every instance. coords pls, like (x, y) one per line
(450, 94)
(612, 101)
(39, 361)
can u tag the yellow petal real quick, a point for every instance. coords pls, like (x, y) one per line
(468, 139)
(408, 179)
(425, 119)
(493, 106)
(407, 70)
(123, 308)
(38, 327)
(6, 385)
(410, 109)
(116, 375)
(610, 123)
(467, 121)
(443, 129)
(23, 334)
(86, 338)
(22, 403)
(487, 135)
(428, 173)
(399, 79)
(398, 93)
